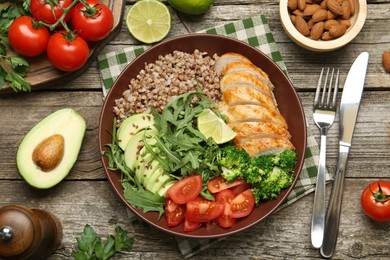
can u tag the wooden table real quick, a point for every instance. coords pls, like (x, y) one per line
(85, 196)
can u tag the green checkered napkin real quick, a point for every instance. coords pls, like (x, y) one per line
(254, 31)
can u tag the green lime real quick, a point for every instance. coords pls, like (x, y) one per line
(149, 21)
(210, 125)
(193, 7)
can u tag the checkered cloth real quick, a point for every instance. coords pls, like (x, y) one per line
(254, 31)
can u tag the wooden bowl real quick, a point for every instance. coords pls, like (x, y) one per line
(289, 105)
(357, 22)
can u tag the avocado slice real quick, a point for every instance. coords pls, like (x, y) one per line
(160, 181)
(163, 191)
(132, 125)
(135, 144)
(56, 138)
(157, 173)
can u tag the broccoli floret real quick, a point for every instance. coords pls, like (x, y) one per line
(272, 184)
(286, 160)
(231, 174)
(232, 157)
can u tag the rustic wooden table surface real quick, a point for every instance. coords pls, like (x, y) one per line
(85, 196)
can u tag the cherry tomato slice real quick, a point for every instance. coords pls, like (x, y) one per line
(243, 204)
(217, 184)
(202, 210)
(174, 213)
(240, 188)
(375, 201)
(186, 189)
(225, 197)
(189, 226)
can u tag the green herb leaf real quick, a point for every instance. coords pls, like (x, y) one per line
(145, 200)
(122, 240)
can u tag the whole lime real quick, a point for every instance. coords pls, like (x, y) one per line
(192, 7)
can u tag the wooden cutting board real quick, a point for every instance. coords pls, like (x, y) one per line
(42, 74)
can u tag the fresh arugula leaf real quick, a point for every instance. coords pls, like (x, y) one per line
(145, 200)
(92, 247)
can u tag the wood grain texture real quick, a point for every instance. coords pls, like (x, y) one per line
(85, 197)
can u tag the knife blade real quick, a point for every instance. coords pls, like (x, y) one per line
(349, 108)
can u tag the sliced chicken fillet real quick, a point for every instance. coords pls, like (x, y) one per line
(241, 94)
(266, 145)
(254, 130)
(228, 58)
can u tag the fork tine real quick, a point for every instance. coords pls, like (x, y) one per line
(336, 88)
(330, 89)
(324, 86)
(318, 90)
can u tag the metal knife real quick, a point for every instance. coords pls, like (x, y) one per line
(349, 107)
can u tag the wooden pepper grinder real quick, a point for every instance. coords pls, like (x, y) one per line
(28, 233)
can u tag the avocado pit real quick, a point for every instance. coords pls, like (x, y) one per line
(49, 152)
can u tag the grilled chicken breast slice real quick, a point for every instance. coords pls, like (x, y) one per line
(244, 79)
(241, 94)
(254, 130)
(265, 145)
(248, 113)
(228, 58)
(250, 68)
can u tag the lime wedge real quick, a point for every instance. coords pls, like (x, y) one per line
(149, 21)
(210, 125)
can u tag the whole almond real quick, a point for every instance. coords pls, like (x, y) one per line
(319, 15)
(49, 152)
(337, 30)
(301, 25)
(317, 30)
(323, 4)
(301, 5)
(386, 61)
(292, 17)
(330, 23)
(326, 36)
(311, 9)
(346, 10)
(310, 23)
(330, 15)
(298, 12)
(292, 4)
(346, 22)
(334, 6)
(352, 5)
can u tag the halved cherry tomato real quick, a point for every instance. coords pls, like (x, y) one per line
(186, 189)
(243, 204)
(240, 188)
(217, 184)
(202, 210)
(49, 12)
(174, 213)
(26, 38)
(189, 226)
(225, 197)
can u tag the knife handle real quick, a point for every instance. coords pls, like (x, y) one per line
(332, 220)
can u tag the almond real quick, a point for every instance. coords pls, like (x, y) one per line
(317, 30)
(319, 15)
(330, 15)
(352, 5)
(337, 30)
(334, 6)
(323, 4)
(346, 10)
(346, 22)
(49, 152)
(326, 36)
(301, 25)
(310, 23)
(298, 12)
(292, 4)
(301, 5)
(292, 17)
(386, 61)
(330, 23)
(311, 9)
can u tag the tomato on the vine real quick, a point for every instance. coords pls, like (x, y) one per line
(375, 200)
(27, 38)
(66, 51)
(50, 11)
(93, 22)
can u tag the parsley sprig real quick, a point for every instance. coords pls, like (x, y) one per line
(93, 247)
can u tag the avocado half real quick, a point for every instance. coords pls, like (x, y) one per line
(65, 123)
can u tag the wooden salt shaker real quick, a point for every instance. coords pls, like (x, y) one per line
(28, 233)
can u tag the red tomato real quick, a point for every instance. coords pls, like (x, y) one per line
(375, 200)
(202, 210)
(42, 10)
(217, 184)
(67, 54)
(191, 226)
(93, 23)
(243, 204)
(240, 188)
(27, 39)
(174, 213)
(225, 197)
(186, 189)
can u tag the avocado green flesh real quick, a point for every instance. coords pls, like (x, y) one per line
(65, 122)
(135, 144)
(157, 173)
(131, 126)
(163, 191)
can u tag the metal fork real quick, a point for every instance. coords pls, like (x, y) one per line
(324, 113)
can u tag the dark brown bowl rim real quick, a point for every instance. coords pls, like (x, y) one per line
(297, 119)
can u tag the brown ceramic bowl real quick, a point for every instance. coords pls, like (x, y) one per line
(289, 105)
